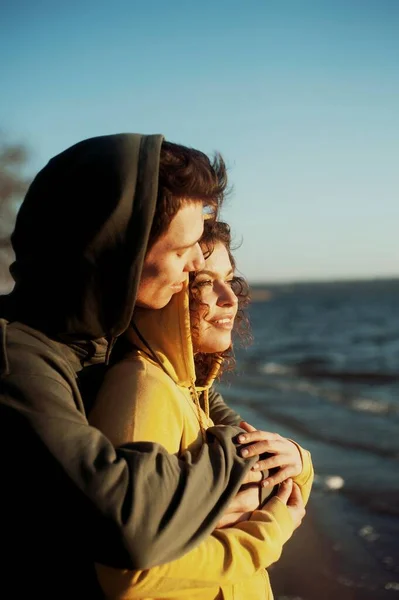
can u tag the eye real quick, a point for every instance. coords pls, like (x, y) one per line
(230, 282)
(202, 283)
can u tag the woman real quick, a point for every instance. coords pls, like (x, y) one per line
(168, 371)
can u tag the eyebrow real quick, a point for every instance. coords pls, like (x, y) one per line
(212, 273)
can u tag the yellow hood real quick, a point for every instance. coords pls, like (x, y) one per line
(164, 335)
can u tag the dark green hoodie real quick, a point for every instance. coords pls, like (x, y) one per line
(68, 497)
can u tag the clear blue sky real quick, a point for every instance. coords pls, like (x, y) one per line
(300, 96)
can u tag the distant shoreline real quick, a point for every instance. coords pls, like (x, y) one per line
(277, 284)
(262, 292)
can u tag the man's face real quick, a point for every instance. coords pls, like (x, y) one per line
(173, 255)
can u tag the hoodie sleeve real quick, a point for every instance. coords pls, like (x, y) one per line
(55, 459)
(305, 478)
(226, 557)
(220, 413)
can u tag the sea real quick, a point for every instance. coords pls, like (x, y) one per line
(323, 368)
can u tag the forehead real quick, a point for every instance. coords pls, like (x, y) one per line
(218, 261)
(186, 226)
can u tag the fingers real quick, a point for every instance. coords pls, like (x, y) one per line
(279, 477)
(236, 505)
(248, 499)
(256, 435)
(296, 497)
(246, 426)
(252, 477)
(285, 491)
(262, 444)
(277, 460)
(296, 506)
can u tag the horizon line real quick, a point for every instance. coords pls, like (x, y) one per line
(354, 279)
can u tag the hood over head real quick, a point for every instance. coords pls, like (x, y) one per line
(81, 236)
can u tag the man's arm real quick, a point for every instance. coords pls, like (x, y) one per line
(139, 505)
(220, 413)
(226, 557)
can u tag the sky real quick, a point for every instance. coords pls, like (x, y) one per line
(301, 97)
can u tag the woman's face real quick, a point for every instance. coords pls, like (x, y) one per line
(213, 323)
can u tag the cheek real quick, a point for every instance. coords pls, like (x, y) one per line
(150, 271)
(172, 269)
(205, 314)
(165, 274)
(199, 322)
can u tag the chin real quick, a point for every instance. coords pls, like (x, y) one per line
(154, 303)
(213, 347)
(161, 303)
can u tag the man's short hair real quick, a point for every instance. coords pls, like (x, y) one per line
(186, 175)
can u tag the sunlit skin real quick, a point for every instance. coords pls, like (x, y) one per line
(216, 314)
(172, 257)
(166, 267)
(212, 333)
(281, 454)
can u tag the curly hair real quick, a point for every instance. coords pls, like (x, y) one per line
(186, 174)
(219, 232)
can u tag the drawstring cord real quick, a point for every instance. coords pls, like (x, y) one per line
(194, 396)
(203, 392)
(206, 402)
(111, 342)
(193, 391)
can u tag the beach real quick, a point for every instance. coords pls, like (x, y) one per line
(317, 564)
(341, 551)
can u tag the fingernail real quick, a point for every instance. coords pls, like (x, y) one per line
(242, 438)
(244, 452)
(256, 466)
(265, 483)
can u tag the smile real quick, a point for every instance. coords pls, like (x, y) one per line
(223, 322)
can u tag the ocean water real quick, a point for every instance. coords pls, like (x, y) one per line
(324, 369)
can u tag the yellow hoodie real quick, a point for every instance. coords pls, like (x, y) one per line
(160, 404)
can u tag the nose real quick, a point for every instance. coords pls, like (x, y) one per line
(196, 261)
(226, 296)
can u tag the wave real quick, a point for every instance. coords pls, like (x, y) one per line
(314, 369)
(385, 501)
(282, 377)
(326, 437)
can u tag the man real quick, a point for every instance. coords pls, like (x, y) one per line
(111, 221)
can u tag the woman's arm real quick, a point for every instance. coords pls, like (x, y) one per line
(305, 478)
(224, 557)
